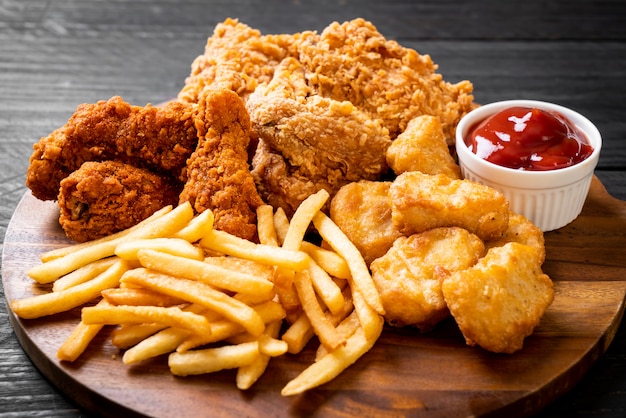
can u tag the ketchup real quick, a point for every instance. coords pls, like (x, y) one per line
(529, 139)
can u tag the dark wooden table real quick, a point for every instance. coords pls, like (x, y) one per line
(55, 55)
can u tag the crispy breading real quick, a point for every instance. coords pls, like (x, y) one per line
(523, 231)
(409, 276)
(499, 301)
(421, 201)
(309, 142)
(422, 147)
(101, 198)
(157, 138)
(218, 175)
(363, 212)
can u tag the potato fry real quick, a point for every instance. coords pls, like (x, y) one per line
(358, 269)
(347, 328)
(265, 225)
(77, 342)
(330, 261)
(225, 243)
(128, 335)
(171, 316)
(214, 275)
(63, 251)
(83, 274)
(162, 226)
(213, 359)
(201, 294)
(197, 227)
(163, 342)
(173, 246)
(249, 374)
(269, 346)
(368, 317)
(281, 224)
(331, 365)
(298, 334)
(302, 218)
(326, 288)
(64, 300)
(139, 297)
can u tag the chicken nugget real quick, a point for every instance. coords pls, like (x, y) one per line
(363, 212)
(101, 198)
(422, 147)
(420, 202)
(499, 301)
(409, 276)
(523, 231)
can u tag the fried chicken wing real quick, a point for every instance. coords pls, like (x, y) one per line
(499, 301)
(363, 212)
(309, 142)
(420, 202)
(422, 147)
(218, 176)
(159, 139)
(408, 277)
(101, 198)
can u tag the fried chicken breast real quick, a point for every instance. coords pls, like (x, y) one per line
(101, 198)
(157, 138)
(218, 176)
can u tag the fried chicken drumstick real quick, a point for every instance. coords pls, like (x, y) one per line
(158, 138)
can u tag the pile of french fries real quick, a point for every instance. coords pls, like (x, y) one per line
(211, 301)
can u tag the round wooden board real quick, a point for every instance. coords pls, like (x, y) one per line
(430, 375)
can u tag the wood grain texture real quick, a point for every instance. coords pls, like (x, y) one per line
(430, 375)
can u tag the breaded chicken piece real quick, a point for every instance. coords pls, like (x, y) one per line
(498, 302)
(101, 198)
(218, 175)
(157, 138)
(523, 231)
(353, 62)
(422, 147)
(238, 58)
(409, 276)
(309, 142)
(362, 210)
(420, 202)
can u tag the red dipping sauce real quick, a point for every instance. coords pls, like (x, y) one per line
(527, 138)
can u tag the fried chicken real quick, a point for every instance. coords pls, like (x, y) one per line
(101, 198)
(218, 176)
(157, 138)
(238, 58)
(309, 142)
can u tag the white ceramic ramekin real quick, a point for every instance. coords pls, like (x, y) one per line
(550, 199)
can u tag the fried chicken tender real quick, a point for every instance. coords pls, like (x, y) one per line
(422, 147)
(499, 301)
(420, 202)
(238, 58)
(218, 175)
(363, 212)
(523, 231)
(353, 62)
(157, 138)
(101, 198)
(309, 142)
(409, 276)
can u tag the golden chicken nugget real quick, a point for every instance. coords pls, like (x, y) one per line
(499, 301)
(421, 201)
(363, 212)
(422, 147)
(523, 231)
(409, 276)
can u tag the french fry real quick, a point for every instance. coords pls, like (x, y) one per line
(326, 288)
(213, 359)
(77, 342)
(358, 269)
(331, 365)
(265, 225)
(170, 316)
(128, 335)
(324, 329)
(249, 374)
(214, 275)
(64, 300)
(225, 243)
(199, 293)
(162, 226)
(268, 345)
(163, 342)
(346, 328)
(330, 261)
(173, 246)
(63, 251)
(83, 274)
(298, 334)
(281, 224)
(139, 297)
(197, 227)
